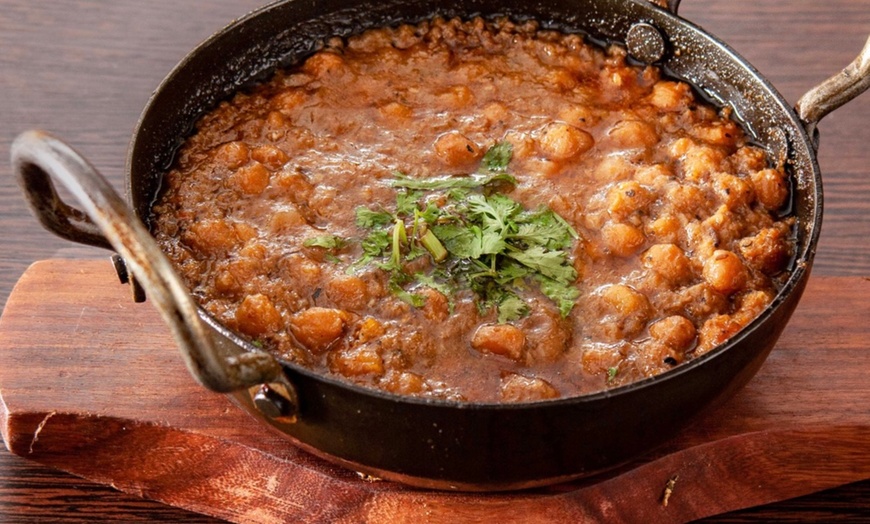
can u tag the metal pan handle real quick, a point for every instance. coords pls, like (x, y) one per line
(37, 159)
(835, 91)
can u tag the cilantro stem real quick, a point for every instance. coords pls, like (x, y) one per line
(399, 237)
(434, 246)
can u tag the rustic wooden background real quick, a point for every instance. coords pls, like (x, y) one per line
(84, 70)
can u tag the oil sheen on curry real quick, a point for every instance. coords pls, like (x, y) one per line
(476, 210)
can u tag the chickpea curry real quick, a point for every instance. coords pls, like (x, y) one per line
(476, 210)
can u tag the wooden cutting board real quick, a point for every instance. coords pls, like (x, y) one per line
(92, 384)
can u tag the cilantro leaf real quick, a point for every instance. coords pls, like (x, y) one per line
(498, 156)
(414, 299)
(473, 181)
(367, 218)
(552, 264)
(406, 202)
(460, 241)
(511, 307)
(564, 294)
(326, 242)
(476, 237)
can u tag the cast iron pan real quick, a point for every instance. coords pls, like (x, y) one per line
(436, 443)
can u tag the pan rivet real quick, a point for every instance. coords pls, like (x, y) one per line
(645, 43)
(273, 401)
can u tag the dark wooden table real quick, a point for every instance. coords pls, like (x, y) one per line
(84, 70)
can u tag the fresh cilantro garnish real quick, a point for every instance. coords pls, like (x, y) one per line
(368, 219)
(478, 239)
(473, 181)
(498, 156)
(326, 242)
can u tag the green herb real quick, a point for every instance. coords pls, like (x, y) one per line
(511, 307)
(326, 242)
(434, 246)
(611, 373)
(414, 299)
(367, 218)
(478, 239)
(473, 181)
(498, 156)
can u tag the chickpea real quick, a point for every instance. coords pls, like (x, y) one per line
(768, 251)
(289, 100)
(437, 307)
(612, 168)
(210, 236)
(358, 361)
(733, 191)
(232, 154)
(457, 97)
(625, 300)
(622, 240)
(243, 270)
(395, 111)
(495, 113)
(317, 328)
(225, 283)
(296, 184)
(524, 145)
(666, 228)
(276, 120)
(655, 176)
(718, 133)
(561, 78)
(456, 150)
(370, 329)
(348, 291)
(679, 147)
(771, 188)
(255, 250)
(251, 179)
(285, 219)
(256, 316)
(563, 142)
(598, 359)
(669, 261)
(580, 115)
(517, 388)
(500, 339)
(303, 270)
(631, 308)
(716, 330)
(633, 134)
(689, 199)
(323, 64)
(748, 159)
(700, 161)
(671, 96)
(725, 272)
(245, 232)
(627, 197)
(270, 156)
(676, 332)
(404, 383)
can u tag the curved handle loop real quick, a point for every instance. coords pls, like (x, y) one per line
(835, 91)
(214, 360)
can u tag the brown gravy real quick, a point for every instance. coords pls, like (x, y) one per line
(678, 243)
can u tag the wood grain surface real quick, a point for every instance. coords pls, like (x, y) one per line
(84, 69)
(121, 410)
